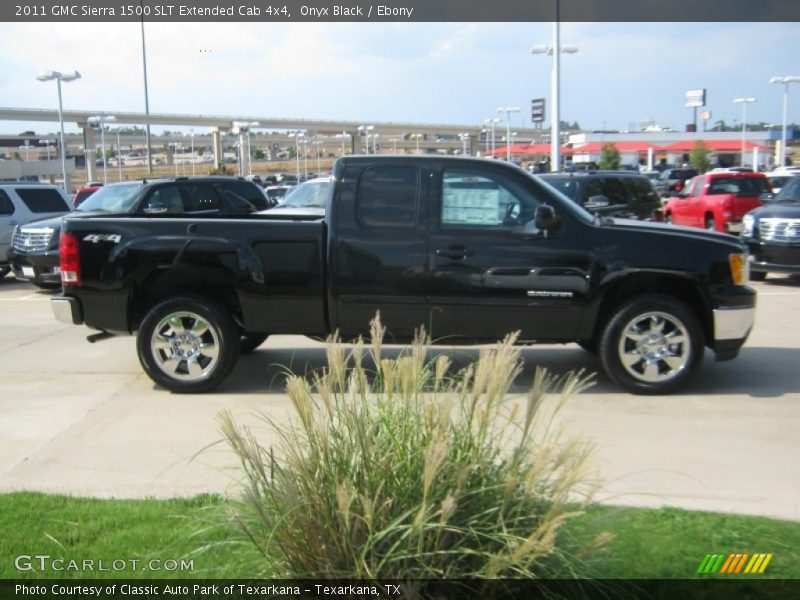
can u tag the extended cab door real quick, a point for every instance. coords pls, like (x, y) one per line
(491, 272)
(378, 246)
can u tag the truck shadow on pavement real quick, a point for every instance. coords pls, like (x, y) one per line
(757, 372)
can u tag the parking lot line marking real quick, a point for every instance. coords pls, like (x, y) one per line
(779, 293)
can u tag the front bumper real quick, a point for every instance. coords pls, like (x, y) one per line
(774, 258)
(67, 310)
(733, 321)
(41, 267)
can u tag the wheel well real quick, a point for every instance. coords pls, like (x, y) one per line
(677, 287)
(169, 283)
(709, 216)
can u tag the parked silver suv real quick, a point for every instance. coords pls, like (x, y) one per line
(22, 202)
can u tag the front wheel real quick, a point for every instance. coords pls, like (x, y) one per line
(188, 344)
(652, 345)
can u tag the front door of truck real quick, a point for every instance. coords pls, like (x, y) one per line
(378, 250)
(490, 274)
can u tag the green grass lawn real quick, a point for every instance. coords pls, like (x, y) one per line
(666, 543)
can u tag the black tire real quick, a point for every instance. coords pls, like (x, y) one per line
(758, 275)
(665, 356)
(251, 341)
(589, 345)
(199, 347)
(668, 219)
(4, 271)
(711, 224)
(47, 286)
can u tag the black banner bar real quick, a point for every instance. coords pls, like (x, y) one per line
(282, 11)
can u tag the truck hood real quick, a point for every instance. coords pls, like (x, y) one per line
(785, 210)
(664, 229)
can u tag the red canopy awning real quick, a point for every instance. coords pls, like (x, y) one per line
(714, 146)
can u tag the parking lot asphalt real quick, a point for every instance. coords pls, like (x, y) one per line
(84, 419)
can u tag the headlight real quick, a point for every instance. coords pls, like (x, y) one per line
(748, 221)
(740, 268)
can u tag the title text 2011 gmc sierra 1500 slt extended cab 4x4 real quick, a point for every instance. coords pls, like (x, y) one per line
(470, 248)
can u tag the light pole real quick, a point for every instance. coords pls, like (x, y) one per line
(744, 102)
(485, 133)
(555, 51)
(304, 141)
(342, 136)
(365, 129)
(119, 155)
(492, 122)
(464, 137)
(59, 77)
(417, 136)
(191, 133)
(508, 110)
(47, 143)
(100, 121)
(318, 143)
(146, 97)
(297, 135)
(27, 147)
(394, 144)
(785, 81)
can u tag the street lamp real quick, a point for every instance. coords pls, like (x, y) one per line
(119, 155)
(191, 133)
(47, 143)
(365, 129)
(297, 135)
(318, 143)
(508, 110)
(744, 102)
(27, 147)
(464, 137)
(785, 81)
(485, 133)
(244, 127)
(342, 136)
(394, 144)
(555, 84)
(100, 121)
(492, 122)
(59, 77)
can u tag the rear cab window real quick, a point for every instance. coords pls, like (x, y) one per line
(388, 196)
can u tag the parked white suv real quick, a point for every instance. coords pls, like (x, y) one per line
(22, 202)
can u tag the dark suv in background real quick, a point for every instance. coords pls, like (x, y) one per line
(609, 193)
(34, 248)
(772, 233)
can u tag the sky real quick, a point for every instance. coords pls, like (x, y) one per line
(453, 73)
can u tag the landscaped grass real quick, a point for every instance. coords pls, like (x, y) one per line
(666, 543)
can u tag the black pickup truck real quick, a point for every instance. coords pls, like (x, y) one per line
(470, 248)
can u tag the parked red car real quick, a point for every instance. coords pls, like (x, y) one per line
(85, 191)
(717, 200)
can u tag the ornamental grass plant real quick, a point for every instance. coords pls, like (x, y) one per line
(411, 471)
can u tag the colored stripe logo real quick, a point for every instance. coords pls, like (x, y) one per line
(734, 563)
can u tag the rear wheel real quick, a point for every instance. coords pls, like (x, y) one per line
(652, 345)
(251, 341)
(188, 344)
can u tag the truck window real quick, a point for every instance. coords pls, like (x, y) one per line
(482, 200)
(6, 206)
(387, 197)
(199, 197)
(164, 199)
(42, 200)
(613, 190)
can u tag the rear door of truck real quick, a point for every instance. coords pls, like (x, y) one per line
(378, 245)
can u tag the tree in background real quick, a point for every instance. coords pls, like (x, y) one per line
(258, 154)
(700, 157)
(609, 157)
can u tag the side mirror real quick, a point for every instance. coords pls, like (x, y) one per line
(598, 201)
(545, 218)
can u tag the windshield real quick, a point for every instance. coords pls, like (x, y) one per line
(790, 192)
(307, 195)
(745, 186)
(112, 198)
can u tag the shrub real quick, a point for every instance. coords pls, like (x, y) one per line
(411, 472)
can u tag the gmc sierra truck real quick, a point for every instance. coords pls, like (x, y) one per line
(470, 248)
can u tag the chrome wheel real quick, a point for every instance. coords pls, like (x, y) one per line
(654, 347)
(185, 346)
